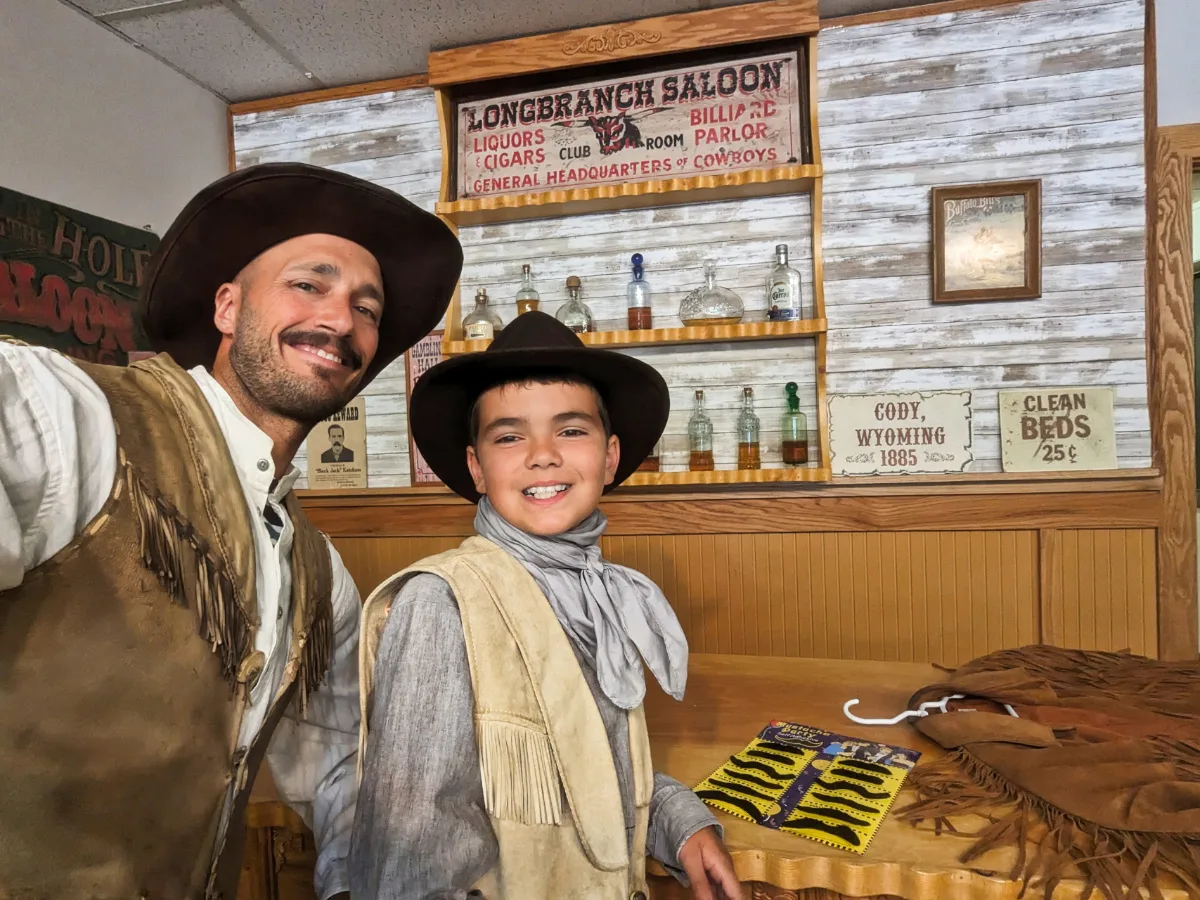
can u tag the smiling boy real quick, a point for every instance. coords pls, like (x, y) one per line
(505, 747)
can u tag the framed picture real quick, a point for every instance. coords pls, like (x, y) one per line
(987, 242)
(422, 357)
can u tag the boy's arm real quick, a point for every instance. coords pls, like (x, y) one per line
(421, 830)
(58, 456)
(675, 815)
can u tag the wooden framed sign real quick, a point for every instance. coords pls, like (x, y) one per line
(987, 242)
(681, 120)
(1058, 429)
(419, 359)
(900, 434)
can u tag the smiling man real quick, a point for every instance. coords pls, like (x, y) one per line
(168, 617)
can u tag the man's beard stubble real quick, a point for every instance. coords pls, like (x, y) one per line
(276, 388)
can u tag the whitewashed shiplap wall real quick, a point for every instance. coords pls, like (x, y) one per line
(1049, 89)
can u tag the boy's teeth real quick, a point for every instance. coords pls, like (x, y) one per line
(544, 492)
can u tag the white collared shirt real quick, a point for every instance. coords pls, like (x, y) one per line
(58, 458)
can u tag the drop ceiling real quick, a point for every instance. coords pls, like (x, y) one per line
(248, 49)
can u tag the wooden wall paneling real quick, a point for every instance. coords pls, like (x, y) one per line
(1172, 364)
(702, 29)
(909, 104)
(371, 560)
(1099, 590)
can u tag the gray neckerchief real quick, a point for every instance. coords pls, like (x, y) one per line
(616, 616)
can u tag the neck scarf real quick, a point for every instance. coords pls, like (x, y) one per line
(615, 616)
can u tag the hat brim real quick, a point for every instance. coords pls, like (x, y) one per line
(634, 394)
(235, 219)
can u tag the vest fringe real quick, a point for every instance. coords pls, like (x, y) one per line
(520, 779)
(1117, 864)
(167, 539)
(317, 654)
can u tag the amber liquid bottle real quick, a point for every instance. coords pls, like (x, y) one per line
(794, 444)
(700, 438)
(747, 427)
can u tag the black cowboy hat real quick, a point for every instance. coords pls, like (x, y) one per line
(236, 218)
(534, 344)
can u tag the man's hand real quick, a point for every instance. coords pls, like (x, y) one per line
(708, 867)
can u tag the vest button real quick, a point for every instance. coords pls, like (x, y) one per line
(263, 465)
(638, 895)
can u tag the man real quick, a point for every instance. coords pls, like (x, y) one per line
(167, 614)
(337, 452)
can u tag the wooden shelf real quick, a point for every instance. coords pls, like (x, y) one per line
(730, 476)
(692, 334)
(630, 195)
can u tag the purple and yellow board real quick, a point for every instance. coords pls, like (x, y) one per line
(69, 280)
(810, 782)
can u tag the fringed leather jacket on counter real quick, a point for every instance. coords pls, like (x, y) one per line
(1099, 773)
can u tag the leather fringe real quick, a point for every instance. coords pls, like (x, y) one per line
(317, 654)
(1118, 864)
(173, 551)
(520, 779)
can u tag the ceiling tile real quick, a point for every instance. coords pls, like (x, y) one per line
(216, 48)
(348, 41)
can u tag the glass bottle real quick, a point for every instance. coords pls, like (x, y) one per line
(711, 304)
(794, 445)
(527, 296)
(700, 438)
(652, 462)
(481, 323)
(638, 295)
(575, 313)
(784, 303)
(747, 430)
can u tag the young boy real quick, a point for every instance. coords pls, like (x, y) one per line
(504, 748)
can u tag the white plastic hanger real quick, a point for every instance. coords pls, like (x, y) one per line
(920, 712)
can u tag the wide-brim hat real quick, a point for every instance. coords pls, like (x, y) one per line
(229, 223)
(534, 344)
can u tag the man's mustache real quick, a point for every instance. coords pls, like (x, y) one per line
(325, 341)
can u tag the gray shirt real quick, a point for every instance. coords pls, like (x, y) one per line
(421, 831)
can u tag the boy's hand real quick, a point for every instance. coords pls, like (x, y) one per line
(708, 867)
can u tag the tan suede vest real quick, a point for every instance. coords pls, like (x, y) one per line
(539, 732)
(125, 661)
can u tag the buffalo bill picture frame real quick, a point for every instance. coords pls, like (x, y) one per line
(987, 242)
(677, 116)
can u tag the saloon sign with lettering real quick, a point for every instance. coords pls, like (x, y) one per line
(1057, 429)
(69, 280)
(900, 434)
(726, 117)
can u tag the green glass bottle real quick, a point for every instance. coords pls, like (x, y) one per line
(794, 443)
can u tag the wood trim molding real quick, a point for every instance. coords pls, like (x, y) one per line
(286, 101)
(702, 29)
(448, 516)
(232, 161)
(1172, 387)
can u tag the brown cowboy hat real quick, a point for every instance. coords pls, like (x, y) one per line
(534, 344)
(236, 218)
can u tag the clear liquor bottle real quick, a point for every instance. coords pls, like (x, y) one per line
(700, 438)
(794, 444)
(638, 295)
(711, 304)
(575, 313)
(747, 429)
(527, 297)
(482, 323)
(784, 293)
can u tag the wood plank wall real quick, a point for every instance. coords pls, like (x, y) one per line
(1049, 89)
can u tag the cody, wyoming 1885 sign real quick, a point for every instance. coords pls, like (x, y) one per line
(721, 117)
(900, 434)
(69, 280)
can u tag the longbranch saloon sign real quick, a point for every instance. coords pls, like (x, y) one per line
(69, 280)
(725, 117)
(900, 434)
(1057, 429)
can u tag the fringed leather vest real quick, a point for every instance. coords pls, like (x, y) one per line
(549, 781)
(125, 664)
